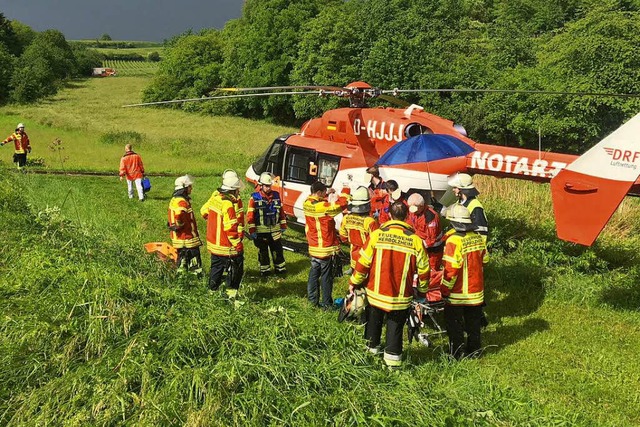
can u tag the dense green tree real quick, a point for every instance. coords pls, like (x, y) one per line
(44, 64)
(24, 34)
(8, 36)
(190, 68)
(6, 69)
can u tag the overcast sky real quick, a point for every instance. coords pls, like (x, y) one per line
(142, 20)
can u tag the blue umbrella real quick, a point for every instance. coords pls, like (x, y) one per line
(425, 148)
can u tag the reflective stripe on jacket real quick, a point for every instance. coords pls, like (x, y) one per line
(463, 276)
(356, 230)
(20, 142)
(131, 166)
(224, 235)
(320, 226)
(391, 257)
(265, 213)
(182, 223)
(476, 211)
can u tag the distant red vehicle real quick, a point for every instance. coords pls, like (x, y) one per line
(103, 72)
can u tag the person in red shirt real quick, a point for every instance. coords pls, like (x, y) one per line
(394, 194)
(21, 144)
(426, 222)
(132, 169)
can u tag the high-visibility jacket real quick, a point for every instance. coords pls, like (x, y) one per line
(20, 142)
(476, 211)
(224, 231)
(237, 205)
(265, 214)
(182, 223)
(391, 257)
(320, 225)
(465, 253)
(131, 166)
(356, 230)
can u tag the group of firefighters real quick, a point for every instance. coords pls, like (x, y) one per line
(398, 249)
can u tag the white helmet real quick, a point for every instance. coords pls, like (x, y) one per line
(415, 202)
(353, 305)
(462, 181)
(231, 182)
(183, 182)
(20, 125)
(458, 213)
(229, 172)
(360, 196)
(265, 179)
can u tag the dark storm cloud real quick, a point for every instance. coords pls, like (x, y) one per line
(149, 20)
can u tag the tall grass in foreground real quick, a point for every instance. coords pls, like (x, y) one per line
(93, 331)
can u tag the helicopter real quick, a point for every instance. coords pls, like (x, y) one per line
(421, 151)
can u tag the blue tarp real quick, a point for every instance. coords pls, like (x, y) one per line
(424, 148)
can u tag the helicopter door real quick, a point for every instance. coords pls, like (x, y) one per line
(300, 171)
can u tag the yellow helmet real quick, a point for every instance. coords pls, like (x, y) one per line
(458, 213)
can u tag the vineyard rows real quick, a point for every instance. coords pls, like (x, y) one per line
(132, 68)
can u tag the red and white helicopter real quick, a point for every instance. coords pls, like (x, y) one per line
(421, 151)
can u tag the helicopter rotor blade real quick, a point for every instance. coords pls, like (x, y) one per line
(515, 91)
(240, 95)
(254, 89)
(393, 100)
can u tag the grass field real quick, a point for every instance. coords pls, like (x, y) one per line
(95, 332)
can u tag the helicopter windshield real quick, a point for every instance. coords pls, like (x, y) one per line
(271, 160)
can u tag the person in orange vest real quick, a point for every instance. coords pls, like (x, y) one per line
(394, 195)
(224, 234)
(183, 227)
(426, 222)
(22, 146)
(132, 169)
(320, 229)
(392, 262)
(462, 285)
(266, 222)
(357, 225)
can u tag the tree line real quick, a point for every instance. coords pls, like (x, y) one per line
(558, 45)
(34, 64)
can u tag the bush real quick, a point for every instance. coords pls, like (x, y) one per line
(153, 57)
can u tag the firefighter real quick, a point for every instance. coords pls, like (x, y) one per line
(391, 263)
(22, 146)
(320, 229)
(266, 222)
(394, 194)
(224, 234)
(462, 285)
(132, 169)
(184, 230)
(426, 222)
(357, 225)
(466, 193)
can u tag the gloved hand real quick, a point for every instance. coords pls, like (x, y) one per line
(29, 149)
(252, 236)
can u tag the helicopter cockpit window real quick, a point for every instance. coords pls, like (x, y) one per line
(271, 160)
(327, 169)
(297, 168)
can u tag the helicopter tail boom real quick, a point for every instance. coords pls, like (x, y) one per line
(588, 191)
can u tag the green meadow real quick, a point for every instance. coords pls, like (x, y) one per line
(93, 331)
